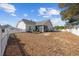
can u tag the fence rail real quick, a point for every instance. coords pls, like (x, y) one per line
(4, 38)
(4, 42)
(73, 31)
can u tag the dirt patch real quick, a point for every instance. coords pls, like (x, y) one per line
(46, 44)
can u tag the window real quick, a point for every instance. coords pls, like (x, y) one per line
(3, 30)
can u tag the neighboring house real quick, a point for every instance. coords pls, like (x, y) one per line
(28, 25)
(11, 29)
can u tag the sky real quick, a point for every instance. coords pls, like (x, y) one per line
(11, 13)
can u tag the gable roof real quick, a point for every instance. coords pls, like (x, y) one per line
(6, 26)
(45, 22)
(28, 21)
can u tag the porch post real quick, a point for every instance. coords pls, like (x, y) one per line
(42, 28)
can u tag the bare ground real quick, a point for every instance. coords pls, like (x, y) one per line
(43, 44)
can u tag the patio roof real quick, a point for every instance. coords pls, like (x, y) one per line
(46, 22)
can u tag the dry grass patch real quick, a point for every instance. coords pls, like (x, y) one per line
(50, 43)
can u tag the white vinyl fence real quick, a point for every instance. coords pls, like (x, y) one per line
(4, 38)
(74, 31)
(3, 41)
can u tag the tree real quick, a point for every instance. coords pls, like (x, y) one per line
(59, 27)
(69, 10)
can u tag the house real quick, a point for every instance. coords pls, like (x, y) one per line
(28, 25)
(8, 28)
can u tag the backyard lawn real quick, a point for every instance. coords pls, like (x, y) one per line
(43, 44)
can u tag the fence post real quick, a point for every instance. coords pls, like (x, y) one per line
(3, 41)
(0, 39)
